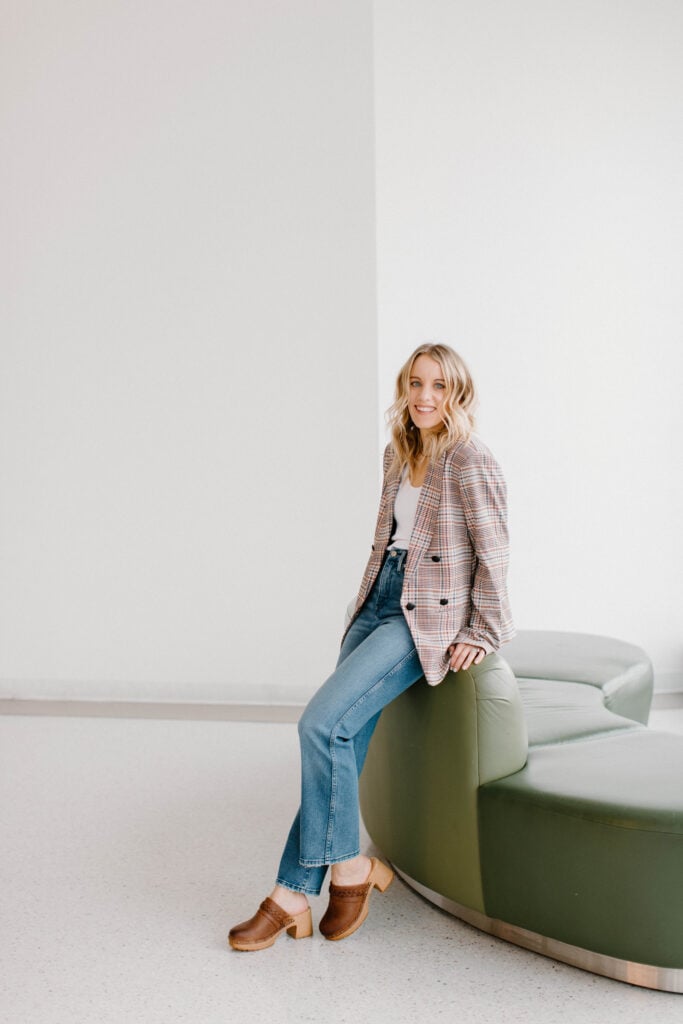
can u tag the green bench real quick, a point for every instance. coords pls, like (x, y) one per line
(528, 797)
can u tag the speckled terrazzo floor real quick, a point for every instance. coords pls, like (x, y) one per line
(129, 847)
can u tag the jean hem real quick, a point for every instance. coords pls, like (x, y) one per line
(307, 891)
(330, 860)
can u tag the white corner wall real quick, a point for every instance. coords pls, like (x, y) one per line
(529, 181)
(188, 377)
(188, 337)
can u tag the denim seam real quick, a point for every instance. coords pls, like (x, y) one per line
(332, 808)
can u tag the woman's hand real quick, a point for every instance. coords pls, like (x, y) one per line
(464, 655)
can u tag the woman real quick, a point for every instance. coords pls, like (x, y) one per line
(433, 599)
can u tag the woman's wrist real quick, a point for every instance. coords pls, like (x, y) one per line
(462, 655)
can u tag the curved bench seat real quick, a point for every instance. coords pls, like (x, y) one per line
(556, 712)
(620, 672)
(586, 844)
(536, 812)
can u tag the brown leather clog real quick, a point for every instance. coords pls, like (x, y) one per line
(269, 921)
(349, 904)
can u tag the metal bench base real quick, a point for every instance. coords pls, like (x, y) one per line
(665, 979)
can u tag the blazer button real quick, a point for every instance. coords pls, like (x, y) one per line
(444, 600)
(436, 558)
(409, 607)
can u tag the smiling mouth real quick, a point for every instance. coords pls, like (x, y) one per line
(425, 408)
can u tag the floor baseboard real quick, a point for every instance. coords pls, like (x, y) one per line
(196, 711)
(186, 711)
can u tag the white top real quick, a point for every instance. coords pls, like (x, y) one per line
(405, 508)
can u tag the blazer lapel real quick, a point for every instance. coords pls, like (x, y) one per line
(427, 506)
(385, 519)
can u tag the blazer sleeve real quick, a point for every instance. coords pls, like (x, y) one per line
(483, 495)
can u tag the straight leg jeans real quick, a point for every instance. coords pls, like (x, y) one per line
(377, 662)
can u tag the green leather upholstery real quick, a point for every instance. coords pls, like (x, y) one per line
(432, 749)
(556, 712)
(586, 845)
(547, 806)
(621, 671)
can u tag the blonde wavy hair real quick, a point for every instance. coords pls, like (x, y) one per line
(460, 402)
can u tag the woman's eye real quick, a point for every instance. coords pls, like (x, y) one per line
(440, 385)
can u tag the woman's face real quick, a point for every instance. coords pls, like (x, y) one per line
(426, 393)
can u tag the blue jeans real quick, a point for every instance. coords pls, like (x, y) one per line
(377, 662)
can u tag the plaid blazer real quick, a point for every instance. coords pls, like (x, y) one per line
(454, 586)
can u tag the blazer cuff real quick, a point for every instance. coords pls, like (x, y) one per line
(466, 636)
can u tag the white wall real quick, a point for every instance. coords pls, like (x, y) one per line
(188, 379)
(188, 389)
(529, 181)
